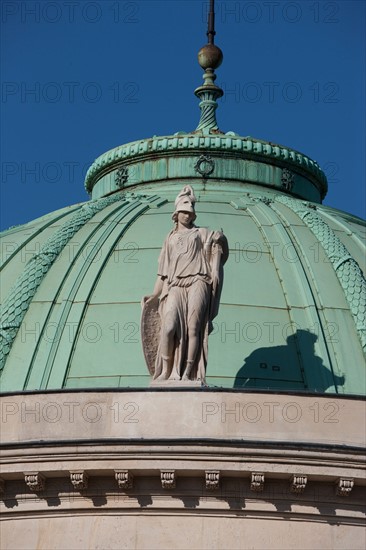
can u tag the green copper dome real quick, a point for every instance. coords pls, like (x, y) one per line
(292, 311)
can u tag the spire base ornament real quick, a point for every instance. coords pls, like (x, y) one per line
(208, 93)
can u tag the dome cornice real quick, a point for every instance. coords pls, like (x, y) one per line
(227, 145)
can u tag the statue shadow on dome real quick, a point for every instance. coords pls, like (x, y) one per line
(279, 367)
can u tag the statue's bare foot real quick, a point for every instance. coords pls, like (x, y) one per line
(174, 376)
(185, 377)
(163, 376)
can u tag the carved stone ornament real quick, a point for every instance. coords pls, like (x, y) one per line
(79, 480)
(205, 165)
(121, 176)
(298, 484)
(257, 482)
(176, 350)
(168, 479)
(124, 479)
(35, 481)
(345, 486)
(212, 479)
(287, 179)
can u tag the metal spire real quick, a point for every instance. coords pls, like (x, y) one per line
(211, 23)
(210, 58)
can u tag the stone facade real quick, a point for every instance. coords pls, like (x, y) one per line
(182, 468)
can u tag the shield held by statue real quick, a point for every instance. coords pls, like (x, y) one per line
(150, 331)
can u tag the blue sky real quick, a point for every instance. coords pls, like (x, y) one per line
(81, 77)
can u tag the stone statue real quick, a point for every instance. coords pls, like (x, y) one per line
(185, 298)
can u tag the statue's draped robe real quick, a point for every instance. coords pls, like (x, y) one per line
(191, 268)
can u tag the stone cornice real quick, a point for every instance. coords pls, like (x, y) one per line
(204, 485)
(133, 459)
(148, 477)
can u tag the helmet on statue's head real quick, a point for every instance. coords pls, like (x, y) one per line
(185, 202)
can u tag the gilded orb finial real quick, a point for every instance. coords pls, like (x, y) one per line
(210, 57)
